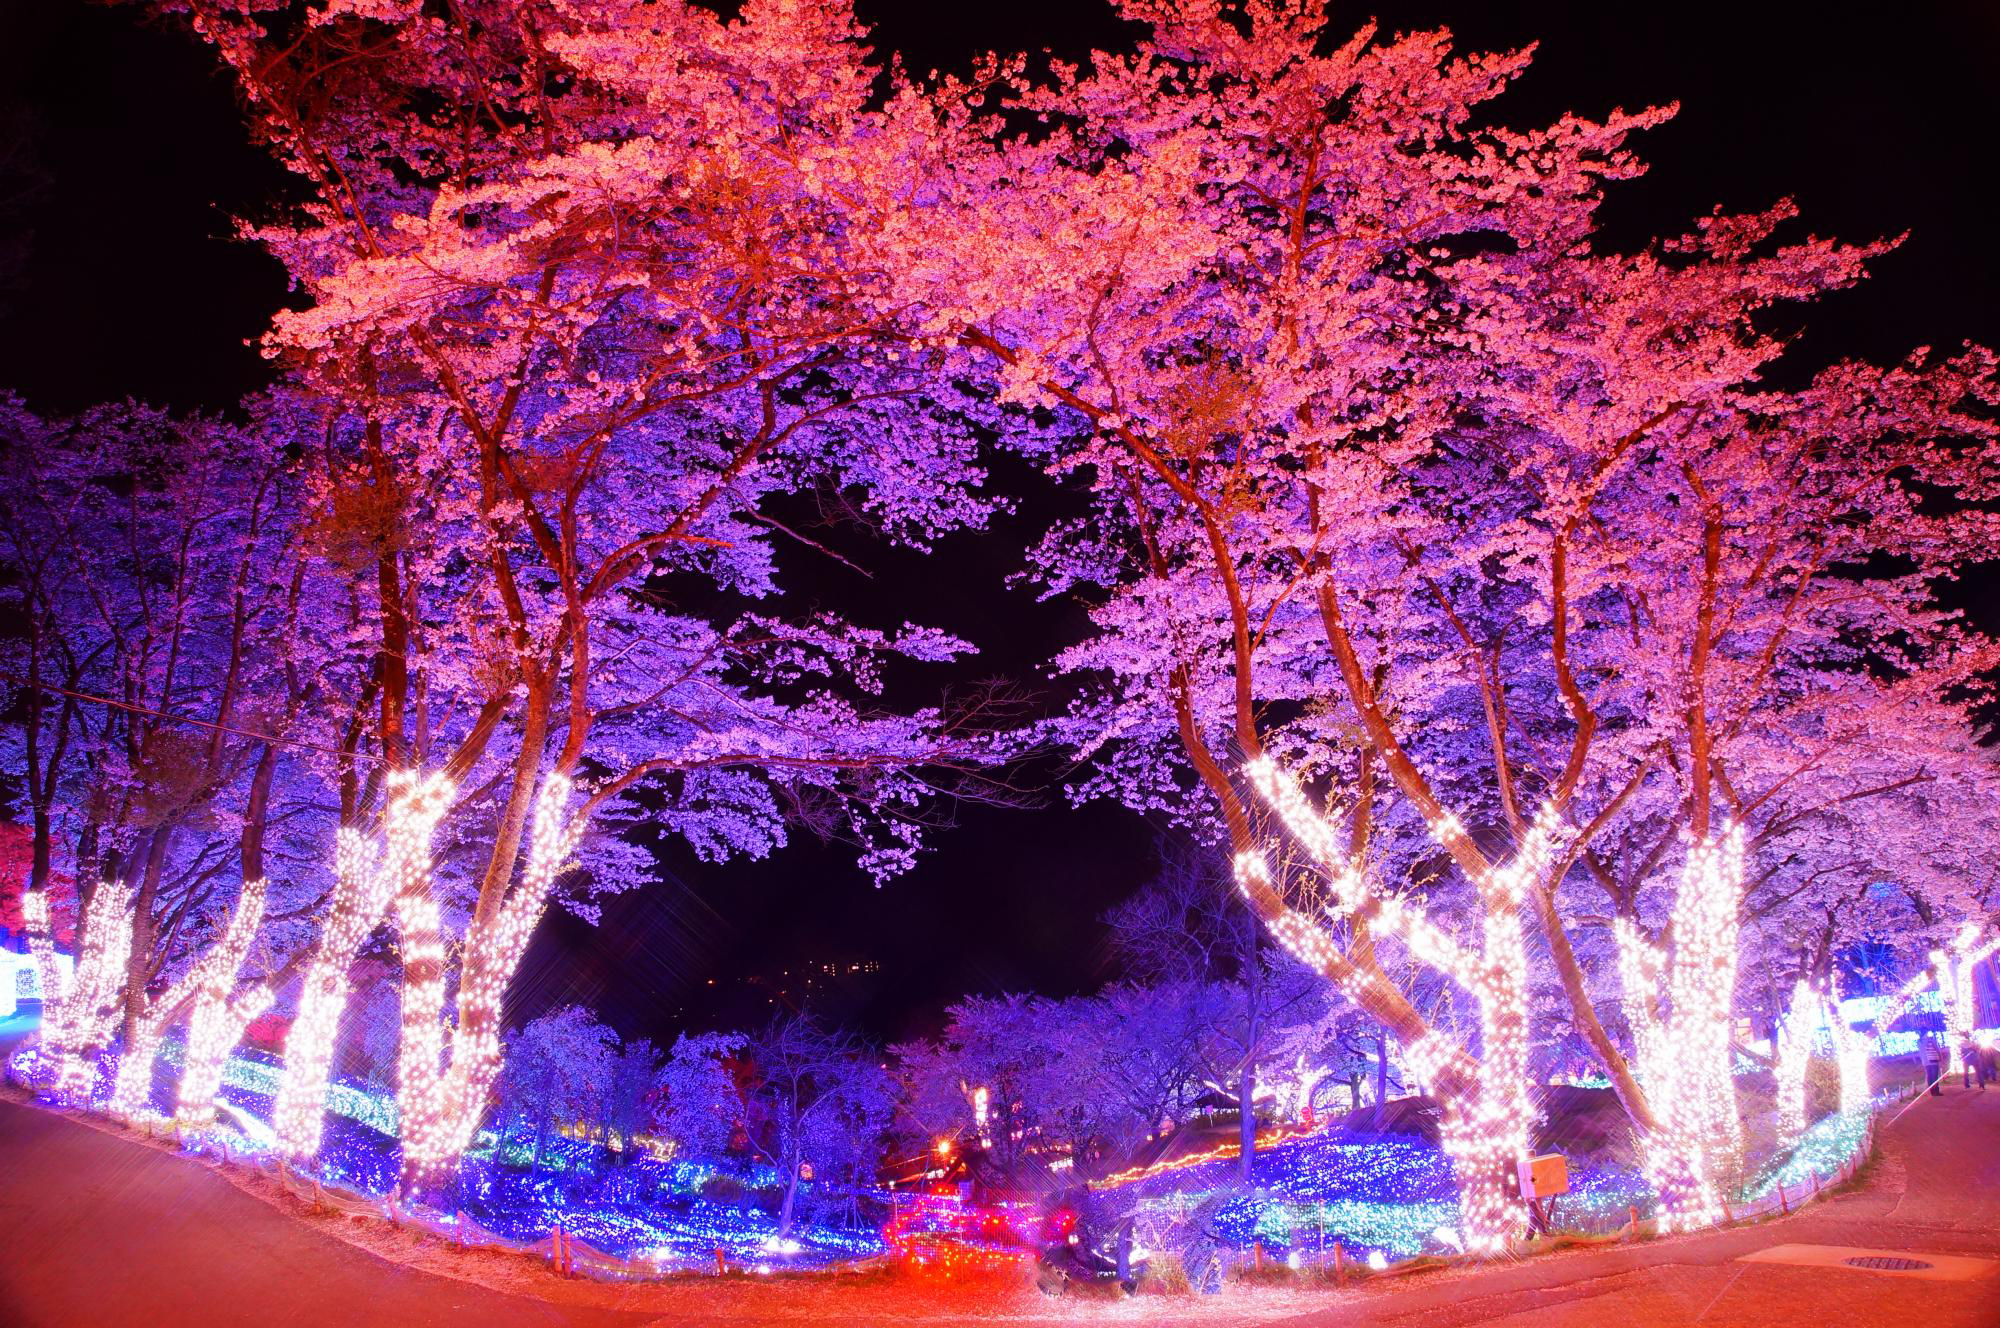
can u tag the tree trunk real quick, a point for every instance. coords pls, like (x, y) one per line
(1381, 1074)
(1253, 1032)
(139, 963)
(791, 1200)
(362, 889)
(1246, 1123)
(214, 1030)
(1485, 1164)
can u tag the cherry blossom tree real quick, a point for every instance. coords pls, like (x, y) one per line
(558, 1072)
(1407, 493)
(1254, 245)
(156, 563)
(701, 1106)
(816, 1105)
(577, 331)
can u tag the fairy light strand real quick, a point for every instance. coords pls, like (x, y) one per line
(365, 881)
(1484, 1129)
(441, 1104)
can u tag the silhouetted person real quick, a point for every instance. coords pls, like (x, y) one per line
(1933, 1066)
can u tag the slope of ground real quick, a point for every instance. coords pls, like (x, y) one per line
(100, 1229)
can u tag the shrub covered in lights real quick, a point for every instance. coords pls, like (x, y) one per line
(646, 1208)
(1392, 1194)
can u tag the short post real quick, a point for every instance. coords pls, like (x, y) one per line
(1260, 1254)
(1728, 1218)
(720, 1265)
(1815, 1182)
(1340, 1263)
(1632, 1211)
(1783, 1207)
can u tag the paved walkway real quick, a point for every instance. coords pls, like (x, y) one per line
(97, 1229)
(1934, 1188)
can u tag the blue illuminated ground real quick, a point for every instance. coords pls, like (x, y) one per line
(643, 1210)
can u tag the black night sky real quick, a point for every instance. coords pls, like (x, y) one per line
(123, 161)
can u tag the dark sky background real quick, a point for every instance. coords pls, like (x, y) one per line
(123, 160)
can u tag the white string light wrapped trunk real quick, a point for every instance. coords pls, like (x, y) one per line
(134, 1084)
(1955, 968)
(1684, 1052)
(1852, 1052)
(220, 1015)
(439, 1102)
(363, 889)
(1795, 1041)
(1484, 1128)
(78, 1024)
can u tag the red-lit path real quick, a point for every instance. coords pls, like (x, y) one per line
(1934, 1189)
(97, 1229)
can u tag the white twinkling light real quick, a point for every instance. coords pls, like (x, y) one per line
(363, 887)
(1795, 1042)
(81, 1021)
(440, 1104)
(1852, 1052)
(1955, 980)
(1683, 1051)
(133, 1088)
(221, 1012)
(1485, 1125)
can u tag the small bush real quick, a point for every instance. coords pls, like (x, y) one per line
(1165, 1276)
(724, 1190)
